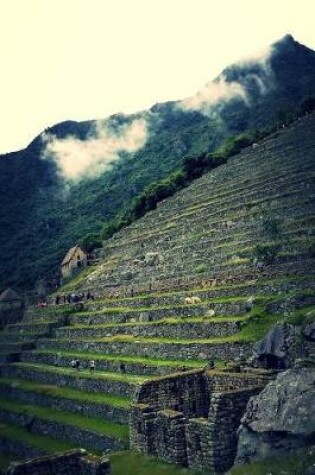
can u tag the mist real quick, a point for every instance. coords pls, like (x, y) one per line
(77, 159)
(225, 88)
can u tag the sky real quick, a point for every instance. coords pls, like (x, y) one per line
(88, 59)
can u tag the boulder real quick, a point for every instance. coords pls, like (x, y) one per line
(275, 350)
(153, 259)
(308, 331)
(280, 419)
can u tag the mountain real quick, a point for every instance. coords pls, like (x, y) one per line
(49, 202)
(195, 308)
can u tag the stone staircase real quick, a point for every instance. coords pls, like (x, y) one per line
(240, 238)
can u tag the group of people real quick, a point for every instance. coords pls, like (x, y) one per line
(73, 298)
(76, 364)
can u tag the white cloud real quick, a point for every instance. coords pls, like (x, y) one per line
(222, 89)
(213, 93)
(77, 158)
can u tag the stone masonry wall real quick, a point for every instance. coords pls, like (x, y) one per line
(224, 351)
(73, 462)
(226, 411)
(20, 450)
(192, 418)
(76, 435)
(86, 408)
(120, 388)
(185, 392)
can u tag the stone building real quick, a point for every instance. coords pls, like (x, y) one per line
(75, 258)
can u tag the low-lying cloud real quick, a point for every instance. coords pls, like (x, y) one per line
(224, 89)
(213, 93)
(77, 159)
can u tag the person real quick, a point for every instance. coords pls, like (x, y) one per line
(89, 296)
(122, 368)
(57, 301)
(92, 366)
(73, 364)
(77, 364)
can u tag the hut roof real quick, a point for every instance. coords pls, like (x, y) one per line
(9, 295)
(70, 254)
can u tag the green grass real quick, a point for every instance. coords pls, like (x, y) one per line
(298, 463)
(238, 337)
(127, 359)
(184, 293)
(260, 322)
(77, 280)
(218, 300)
(68, 393)
(254, 327)
(163, 321)
(131, 463)
(129, 378)
(100, 426)
(41, 441)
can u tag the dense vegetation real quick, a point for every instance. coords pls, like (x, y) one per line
(42, 215)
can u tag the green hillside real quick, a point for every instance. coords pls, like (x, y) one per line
(42, 215)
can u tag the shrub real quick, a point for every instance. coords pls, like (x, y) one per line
(201, 268)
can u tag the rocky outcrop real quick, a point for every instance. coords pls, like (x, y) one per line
(278, 349)
(280, 419)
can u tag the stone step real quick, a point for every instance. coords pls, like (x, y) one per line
(206, 291)
(32, 327)
(9, 347)
(11, 337)
(218, 259)
(7, 357)
(197, 328)
(217, 270)
(111, 383)
(233, 212)
(129, 364)
(212, 216)
(100, 405)
(295, 269)
(224, 307)
(211, 349)
(237, 184)
(215, 257)
(276, 187)
(46, 315)
(79, 430)
(204, 252)
(20, 444)
(258, 190)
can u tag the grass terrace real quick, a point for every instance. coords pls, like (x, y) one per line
(67, 393)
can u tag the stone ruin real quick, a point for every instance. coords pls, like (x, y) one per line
(77, 462)
(192, 418)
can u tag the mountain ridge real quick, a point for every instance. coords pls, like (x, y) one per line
(54, 215)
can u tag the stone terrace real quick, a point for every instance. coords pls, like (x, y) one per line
(140, 329)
